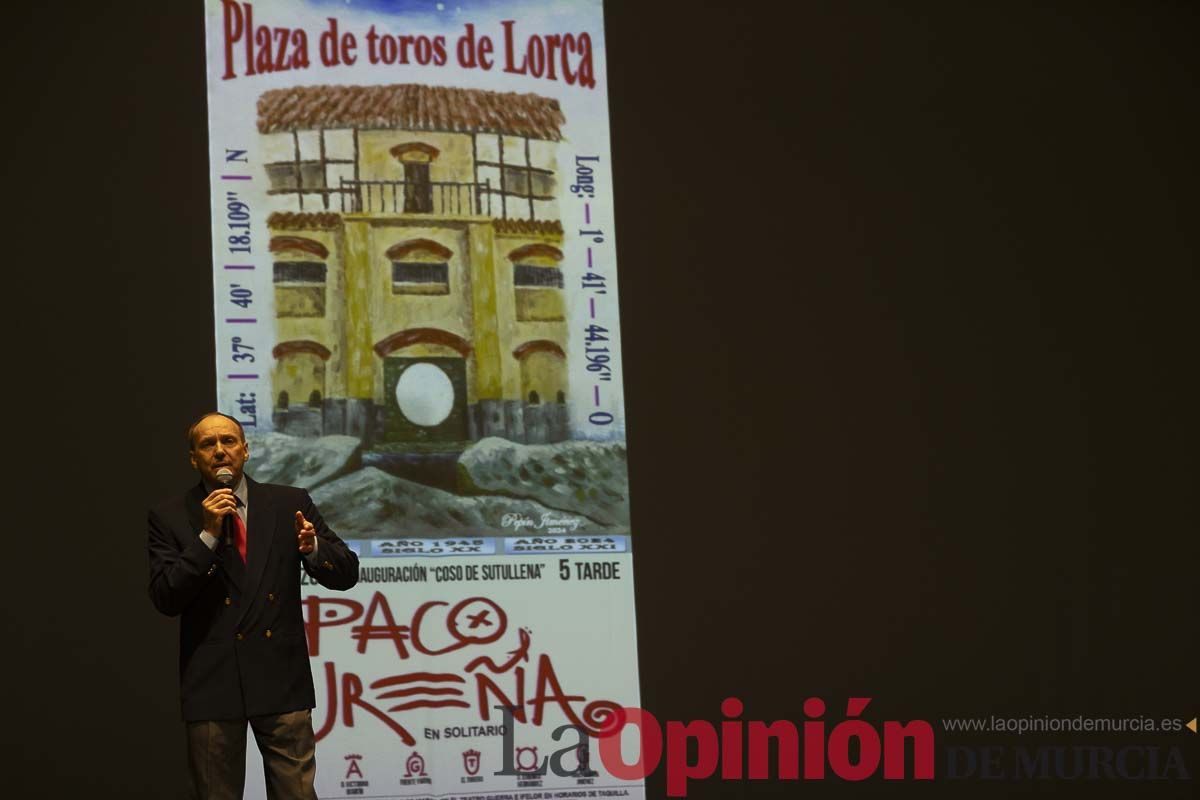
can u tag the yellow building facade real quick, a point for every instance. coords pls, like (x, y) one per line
(416, 250)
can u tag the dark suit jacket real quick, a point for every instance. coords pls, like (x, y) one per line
(242, 651)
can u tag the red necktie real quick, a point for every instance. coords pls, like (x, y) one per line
(239, 535)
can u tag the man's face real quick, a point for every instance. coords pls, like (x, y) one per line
(217, 443)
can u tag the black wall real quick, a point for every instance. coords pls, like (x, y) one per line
(908, 298)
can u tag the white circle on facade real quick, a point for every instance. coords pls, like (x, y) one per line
(425, 395)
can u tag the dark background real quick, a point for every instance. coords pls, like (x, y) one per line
(908, 300)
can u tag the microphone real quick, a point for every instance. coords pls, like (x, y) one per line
(224, 477)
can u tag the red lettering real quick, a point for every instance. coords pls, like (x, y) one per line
(788, 748)
(894, 735)
(417, 619)
(465, 49)
(372, 36)
(547, 679)
(568, 75)
(352, 696)
(535, 56)
(458, 615)
(678, 768)
(545, 55)
(299, 50)
(508, 49)
(262, 41)
(424, 49)
(484, 685)
(317, 616)
(331, 702)
(390, 630)
(814, 740)
(587, 72)
(328, 44)
(485, 52)
(281, 40)
(387, 50)
(553, 42)
(234, 27)
(868, 750)
(649, 750)
(731, 740)
(868, 744)
(515, 656)
(249, 14)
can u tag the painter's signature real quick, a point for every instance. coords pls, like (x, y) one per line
(549, 522)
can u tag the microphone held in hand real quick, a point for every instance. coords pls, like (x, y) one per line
(224, 476)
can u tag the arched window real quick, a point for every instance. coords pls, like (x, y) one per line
(416, 157)
(420, 266)
(299, 371)
(300, 274)
(431, 336)
(538, 282)
(543, 370)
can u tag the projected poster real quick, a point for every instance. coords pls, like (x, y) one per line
(416, 320)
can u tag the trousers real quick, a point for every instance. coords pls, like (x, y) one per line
(217, 756)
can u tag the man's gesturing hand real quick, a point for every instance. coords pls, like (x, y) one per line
(306, 534)
(216, 507)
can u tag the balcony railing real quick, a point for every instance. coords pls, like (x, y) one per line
(408, 197)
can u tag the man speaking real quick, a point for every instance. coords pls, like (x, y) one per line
(226, 556)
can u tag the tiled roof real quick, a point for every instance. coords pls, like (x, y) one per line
(304, 221)
(529, 227)
(409, 106)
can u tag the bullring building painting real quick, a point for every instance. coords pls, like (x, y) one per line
(416, 250)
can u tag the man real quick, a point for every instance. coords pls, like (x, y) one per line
(227, 557)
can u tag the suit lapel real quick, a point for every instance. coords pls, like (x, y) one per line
(260, 534)
(195, 511)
